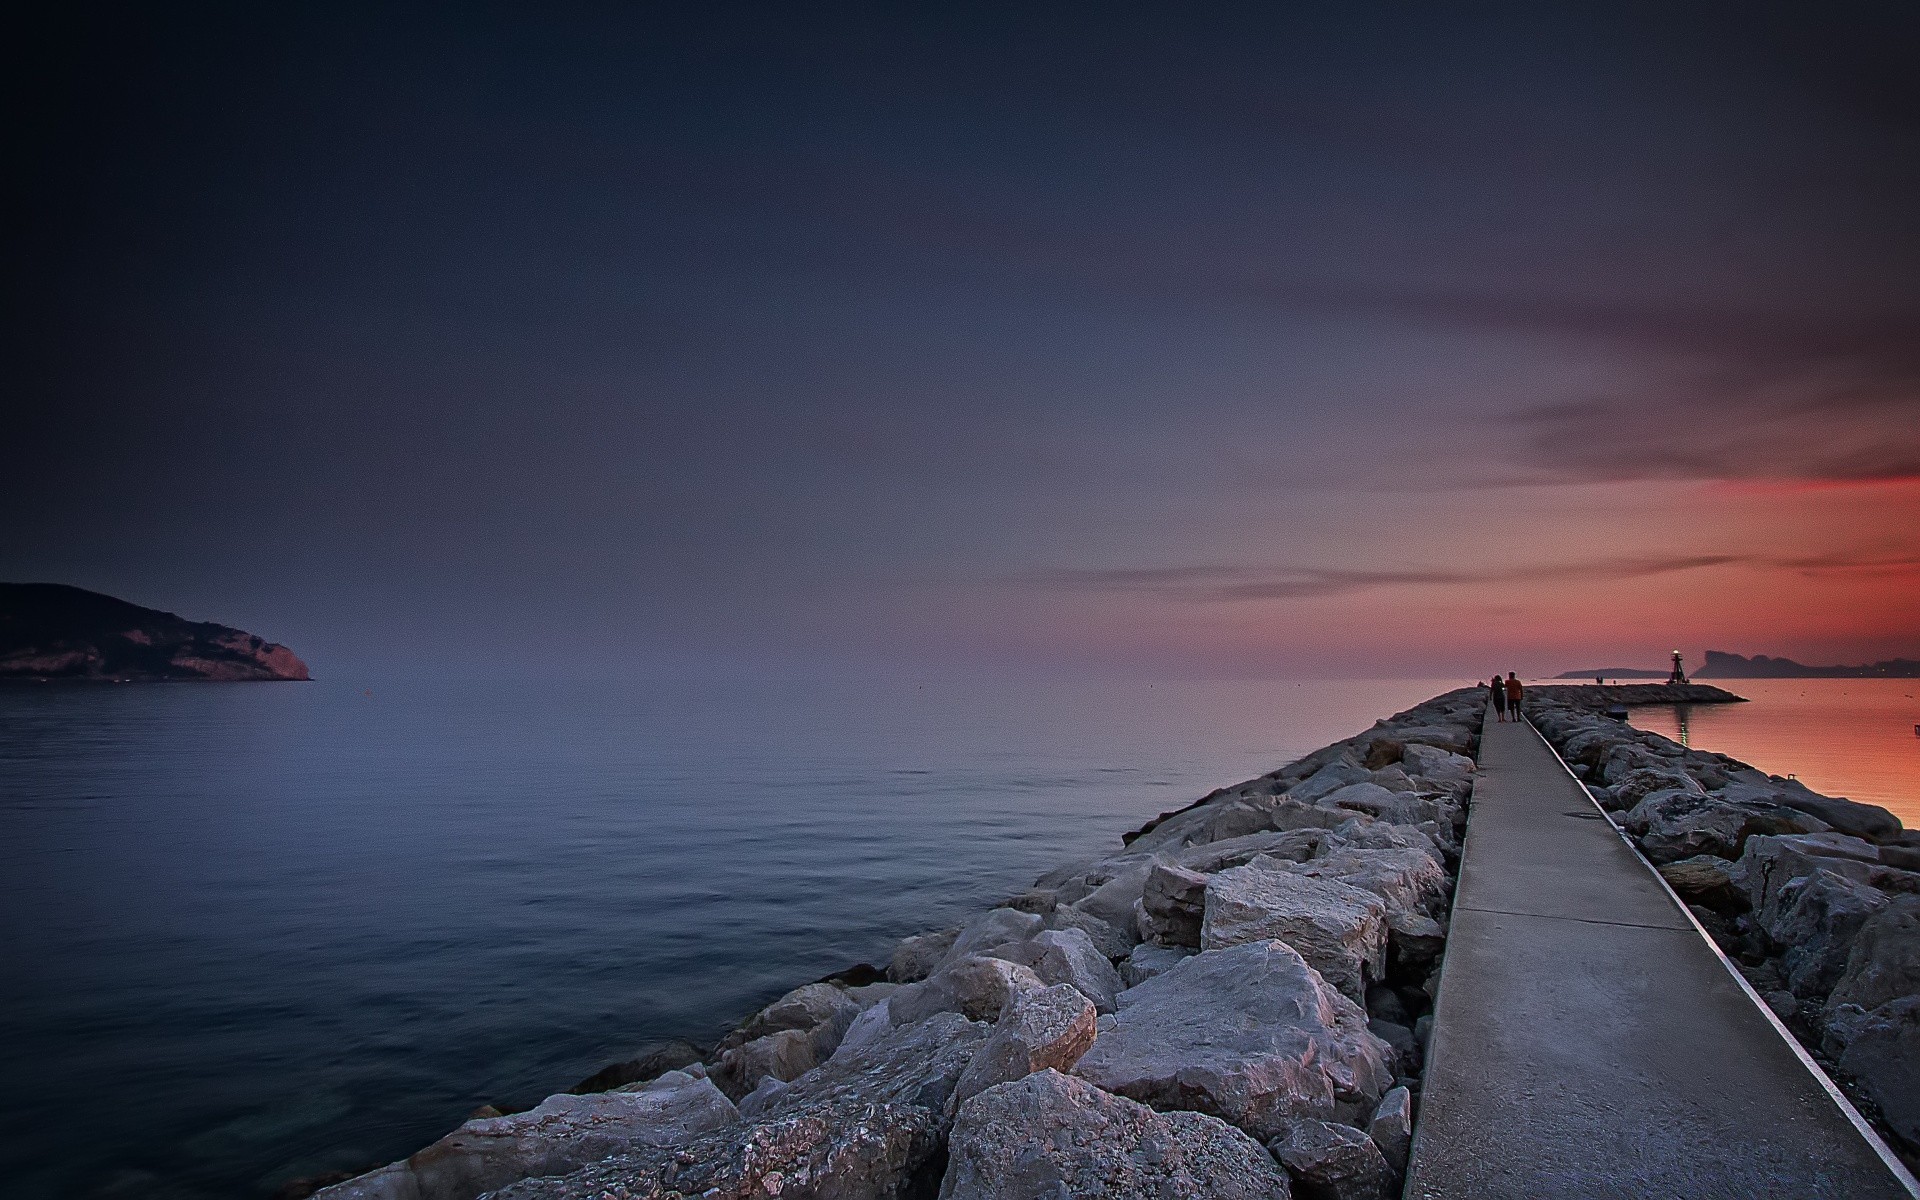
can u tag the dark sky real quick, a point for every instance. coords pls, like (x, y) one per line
(1345, 338)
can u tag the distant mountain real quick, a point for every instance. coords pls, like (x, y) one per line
(1613, 673)
(52, 631)
(1721, 665)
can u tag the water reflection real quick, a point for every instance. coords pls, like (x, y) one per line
(1843, 737)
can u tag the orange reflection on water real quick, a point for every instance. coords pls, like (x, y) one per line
(1844, 737)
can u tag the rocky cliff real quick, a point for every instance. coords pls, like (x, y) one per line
(1721, 665)
(52, 631)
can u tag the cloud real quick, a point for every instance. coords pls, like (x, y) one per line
(1228, 584)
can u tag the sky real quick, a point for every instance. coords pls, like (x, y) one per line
(1192, 340)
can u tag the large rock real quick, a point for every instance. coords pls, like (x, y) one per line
(1867, 821)
(1884, 962)
(977, 988)
(1813, 919)
(1399, 808)
(867, 1125)
(996, 927)
(651, 1063)
(1770, 863)
(1432, 765)
(1328, 780)
(1340, 929)
(1414, 944)
(919, 956)
(1883, 1054)
(1111, 940)
(1052, 1136)
(1672, 825)
(564, 1133)
(1407, 881)
(1149, 960)
(1392, 1128)
(1706, 881)
(1636, 786)
(803, 1008)
(1174, 901)
(1329, 1161)
(1297, 845)
(1067, 956)
(1114, 900)
(1250, 1034)
(1040, 1030)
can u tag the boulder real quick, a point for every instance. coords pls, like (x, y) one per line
(917, 957)
(1339, 929)
(1250, 1034)
(1334, 1162)
(651, 1063)
(1884, 962)
(563, 1133)
(781, 1056)
(1328, 780)
(1768, 863)
(1883, 1055)
(1296, 845)
(1392, 1128)
(1814, 919)
(1111, 940)
(1866, 821)
(1399, 808)
(1672, 825)
(1406, 1052)
(1113, 900)
(867, 1125)
(1149, 960)
(1395, 780)
(995, 927)
(1365, 833)
(1706, 881)
(1407, 881)
(1051, 1135)
(977, 988)
(1067, 956)
(1637, 785)
(1040, 1030)
(1174, 900)
(1433, 765)
(803, 1008)
(1414, 944)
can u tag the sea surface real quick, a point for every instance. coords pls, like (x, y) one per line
(258, 931)
(1841, 737)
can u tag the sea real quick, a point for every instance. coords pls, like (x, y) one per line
(255, 932)
(1858, 738)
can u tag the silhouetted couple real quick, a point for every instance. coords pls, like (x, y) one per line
(1506, 695)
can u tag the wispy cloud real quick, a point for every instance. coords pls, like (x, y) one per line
(1228, 584)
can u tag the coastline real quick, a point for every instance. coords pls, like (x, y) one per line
(1065, 1005)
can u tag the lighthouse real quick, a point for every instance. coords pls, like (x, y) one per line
(1679, 672)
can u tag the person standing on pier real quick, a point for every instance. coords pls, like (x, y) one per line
(1499, 691)
(1514, 693)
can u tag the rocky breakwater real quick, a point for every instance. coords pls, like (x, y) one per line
(1233, 1004)
(1815, 898)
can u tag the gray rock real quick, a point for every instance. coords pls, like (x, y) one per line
(1067, 956)
(783, 1055)
(1250, 1034)
(1414, 943)
(1883, 1055)
(1328, 780)
(1395, 780)
(1637, 785)
(917, 957)
(1174, 900)
(651, 1063)
(995, 927)
(1436, 765)
(1407, 881)
(803, 1008)
(1672, 825)
(1111, 940)
(1770, 863)
(1052, 1136)
(1113, 900)
(1334, 1162)
(1406, 1050)
(1884, 961)
(1814, 919)
(977, 988)
(1784, 1004)
(1296, 845)
(1040, 1030)
(564, 1133)
(1866, 821)
(1398, 808)
(1365, 833)
(1339, 929)
(1149, 960)
(1706, 881)
(916, 1064)
(1392, 1128)
(870, 1024)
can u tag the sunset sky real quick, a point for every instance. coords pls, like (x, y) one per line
(1347, 339)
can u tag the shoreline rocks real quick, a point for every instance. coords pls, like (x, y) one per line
(1239, 979)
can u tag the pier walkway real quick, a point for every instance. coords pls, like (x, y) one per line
(1589, 1040)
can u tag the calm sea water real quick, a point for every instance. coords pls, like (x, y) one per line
(260, 931)
(1844, 737)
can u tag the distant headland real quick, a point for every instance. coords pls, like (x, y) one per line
(53, 631)
(1722, 665)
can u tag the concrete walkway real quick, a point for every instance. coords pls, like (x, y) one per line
(1589, 1040)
